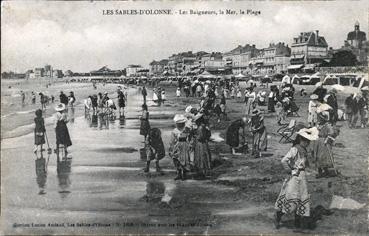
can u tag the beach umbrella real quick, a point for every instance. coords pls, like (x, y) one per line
(366, 88)
(338, 87)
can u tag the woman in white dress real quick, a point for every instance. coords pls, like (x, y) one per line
(294, 197)
(313, 115)
(155, 96)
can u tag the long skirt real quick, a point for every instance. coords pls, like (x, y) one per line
(312, 118)
(271, 104)
(202, 159)
(260, 141)
(39, 138)
(62, 134)
(294, 196)
(322, 153)
(232, 137)
(249, 106)
(145, 127)
(181, 156)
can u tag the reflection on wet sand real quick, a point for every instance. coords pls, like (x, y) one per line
(103, 121)
(63, 170)
(154, 190)
(41, 173)
(71, 114)
(122, 122)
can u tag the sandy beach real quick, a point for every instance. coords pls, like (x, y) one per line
(103, 189)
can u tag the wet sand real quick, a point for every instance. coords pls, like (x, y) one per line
(102, 188)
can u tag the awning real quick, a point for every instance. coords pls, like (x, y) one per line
(298, 56)
(309, 66)
(294, 67)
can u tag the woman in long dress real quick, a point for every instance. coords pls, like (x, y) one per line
(232, 134)
(179, 147)
(202, 156)
(322, 148)
(155, 96)
(312, 109)
(258, 129)
(250, 97)
(145, 124)
(294, 197)
(61, 129)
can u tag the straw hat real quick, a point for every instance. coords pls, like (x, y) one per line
(188, 109)
(255, 112)
(323, 107)
(314, 96)
(179, 118)
(60, 107)
(309, 134)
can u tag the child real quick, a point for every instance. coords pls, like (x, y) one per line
(281, 114)
(178, 92)
(39, 131)
(154, 149)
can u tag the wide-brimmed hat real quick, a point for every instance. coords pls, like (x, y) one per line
(314, 96)
(323, 107)
(188, 109)
(198, 116)
(179, 118)
(60, 107)
(310, 134)
(255, 112)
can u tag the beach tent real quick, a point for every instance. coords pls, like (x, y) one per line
(239, 76)
(330, 80)
(206, 75)
(295, 79)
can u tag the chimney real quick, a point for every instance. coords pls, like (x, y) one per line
(316, 36)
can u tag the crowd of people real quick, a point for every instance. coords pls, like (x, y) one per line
(189, 140)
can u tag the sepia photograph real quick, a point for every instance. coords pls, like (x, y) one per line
(184, 117)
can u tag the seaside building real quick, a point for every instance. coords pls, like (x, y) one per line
(39, 72)
(57, 74)
(68, 73)
(47, 71)
(158, 67)
(131, 70)
(105, 71)
(275, 58)
(308, 49)
(213, 62)
(358, 44)
(239, 58)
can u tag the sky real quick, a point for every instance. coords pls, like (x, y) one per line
(77, 36)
